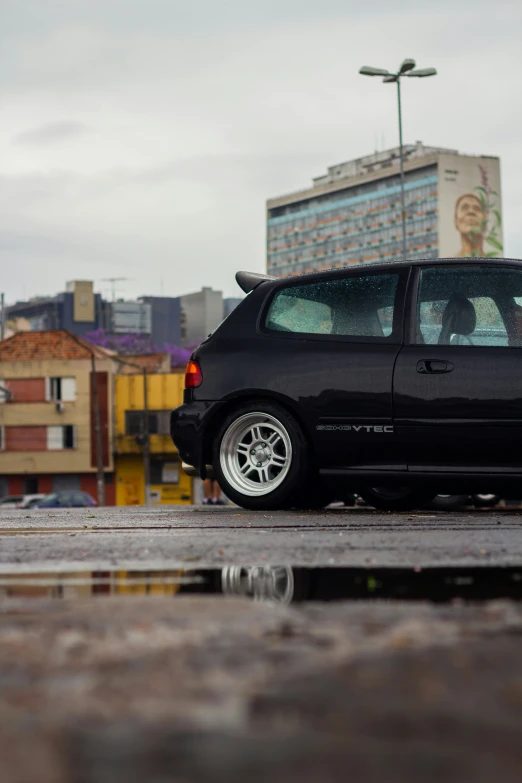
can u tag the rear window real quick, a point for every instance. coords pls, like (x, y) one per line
(358, 306)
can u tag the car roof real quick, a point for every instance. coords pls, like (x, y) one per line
(255, 279)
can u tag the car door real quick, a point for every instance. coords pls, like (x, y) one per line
(79, 499)
(65, 500)
(336, 341)
(458, 380)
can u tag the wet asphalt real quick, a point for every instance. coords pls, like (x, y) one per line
(132, 688)
(167, 537)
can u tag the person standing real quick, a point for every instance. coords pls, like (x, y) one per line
(212, 493)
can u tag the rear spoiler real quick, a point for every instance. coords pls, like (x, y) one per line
(247, 281)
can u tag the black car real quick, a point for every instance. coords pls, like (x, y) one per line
(396, 381)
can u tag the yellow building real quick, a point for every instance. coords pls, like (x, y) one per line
(169, 484)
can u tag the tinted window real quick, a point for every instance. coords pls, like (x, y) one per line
(470, 306)
(354, 306)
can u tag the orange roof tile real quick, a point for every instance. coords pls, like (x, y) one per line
(59, 344)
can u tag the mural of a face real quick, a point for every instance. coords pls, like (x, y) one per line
(469, 214)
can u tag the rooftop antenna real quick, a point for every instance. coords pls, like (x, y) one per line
(113, 281)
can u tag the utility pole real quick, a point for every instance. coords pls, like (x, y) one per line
(145, 437)
(401, 156)
(2, 322)
(100, 478)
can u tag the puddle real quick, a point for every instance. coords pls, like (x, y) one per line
(279, 584)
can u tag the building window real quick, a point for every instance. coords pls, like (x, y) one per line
(159, 422)
(164, 472)
(62, 437)
(61, 389)
(25, 438)
(22, 390)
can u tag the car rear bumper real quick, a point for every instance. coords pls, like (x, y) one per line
(188, 425)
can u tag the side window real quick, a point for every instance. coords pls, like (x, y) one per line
(352, 306)
(470, 306)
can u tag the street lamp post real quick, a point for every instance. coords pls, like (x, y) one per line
(407, 69)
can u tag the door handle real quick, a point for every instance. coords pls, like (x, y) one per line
(433, 366)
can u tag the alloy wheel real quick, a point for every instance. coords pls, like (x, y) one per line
(255, 454)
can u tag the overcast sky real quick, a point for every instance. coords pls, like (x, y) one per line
(141, 138)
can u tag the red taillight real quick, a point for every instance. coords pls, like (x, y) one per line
(193, 375)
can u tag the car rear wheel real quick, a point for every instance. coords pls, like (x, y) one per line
(261, 458)
(396, 498)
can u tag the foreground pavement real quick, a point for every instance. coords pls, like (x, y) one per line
(109, 688)
(161, 538)
(217, 690)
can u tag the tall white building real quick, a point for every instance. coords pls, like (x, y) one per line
(353, 214)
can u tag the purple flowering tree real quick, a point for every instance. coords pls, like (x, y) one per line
(139, 345)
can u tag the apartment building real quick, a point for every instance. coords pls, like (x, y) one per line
(47, 414)
(353, 213)
(77, 309)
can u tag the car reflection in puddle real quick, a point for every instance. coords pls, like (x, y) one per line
(278, 584)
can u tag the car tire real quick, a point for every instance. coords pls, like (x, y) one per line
(261, 458)
(400, 499)
(450, 502)
(486, 501)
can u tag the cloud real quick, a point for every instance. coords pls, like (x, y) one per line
(52, 133)
(199, 112)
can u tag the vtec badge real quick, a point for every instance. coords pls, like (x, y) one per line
(384, 428)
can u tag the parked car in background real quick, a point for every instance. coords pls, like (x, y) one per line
(75, 499)
(11, 501)
(396, 381)
(454, 502)
(30, 501)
